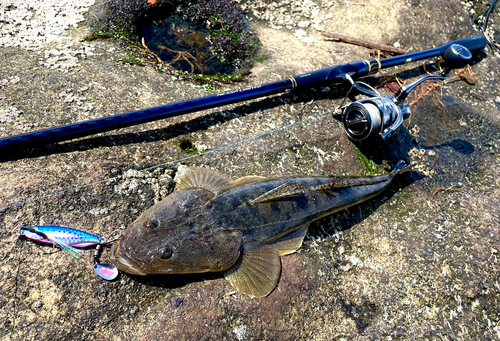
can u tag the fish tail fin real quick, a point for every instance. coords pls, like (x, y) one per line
(402, 167)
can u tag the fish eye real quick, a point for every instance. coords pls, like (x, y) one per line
(152, 224)
(167, 253)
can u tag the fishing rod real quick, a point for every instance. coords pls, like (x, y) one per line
(339, 74)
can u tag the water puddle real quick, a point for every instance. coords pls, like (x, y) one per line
(185, 45)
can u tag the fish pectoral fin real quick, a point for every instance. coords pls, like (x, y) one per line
(256, 272)
(208, 179)
(287, 190)
(291, 242)
(248, 179)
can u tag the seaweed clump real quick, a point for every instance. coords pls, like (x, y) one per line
(230, 37)
(222, 22)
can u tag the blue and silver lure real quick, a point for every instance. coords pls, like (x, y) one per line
(68, 240)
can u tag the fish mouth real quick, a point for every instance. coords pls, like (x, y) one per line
(122, 263)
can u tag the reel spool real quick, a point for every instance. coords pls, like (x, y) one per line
(382, 115)
(366, 117)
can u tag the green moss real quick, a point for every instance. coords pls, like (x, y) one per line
(370, 167)
(261, 58)
(233, 36)
(189, 147)
(219, 77)
(209, 88)
(134, 58)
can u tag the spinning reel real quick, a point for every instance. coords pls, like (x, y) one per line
(383, 115)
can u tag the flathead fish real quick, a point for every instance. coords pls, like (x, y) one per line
(242, 227)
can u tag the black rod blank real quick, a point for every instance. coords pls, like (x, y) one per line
(331, 75)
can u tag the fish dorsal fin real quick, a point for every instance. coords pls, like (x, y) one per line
(208, 179)
(256, 272)
(291, 242)
(248, 179)
(288, 189)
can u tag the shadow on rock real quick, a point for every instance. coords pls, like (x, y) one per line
(459, 145)
(398, 147)
(172, 281)
(170, 132)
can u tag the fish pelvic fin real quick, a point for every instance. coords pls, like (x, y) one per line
(208, 179)
(288, 189)
(291, 242)
(256, 272)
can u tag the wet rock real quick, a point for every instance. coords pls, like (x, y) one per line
(419, 261)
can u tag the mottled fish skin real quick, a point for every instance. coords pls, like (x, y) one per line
(241, 227)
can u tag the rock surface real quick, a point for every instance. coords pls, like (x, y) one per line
(418, 262)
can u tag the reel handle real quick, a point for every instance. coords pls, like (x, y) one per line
(405, 90)
(455, 57)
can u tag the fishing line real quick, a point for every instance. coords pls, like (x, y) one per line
(242, 141)
(112, 179)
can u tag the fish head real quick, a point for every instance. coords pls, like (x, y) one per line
(177, 236)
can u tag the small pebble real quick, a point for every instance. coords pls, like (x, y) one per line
(176, 301)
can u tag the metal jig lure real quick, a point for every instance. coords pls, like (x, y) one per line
(68, 240)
